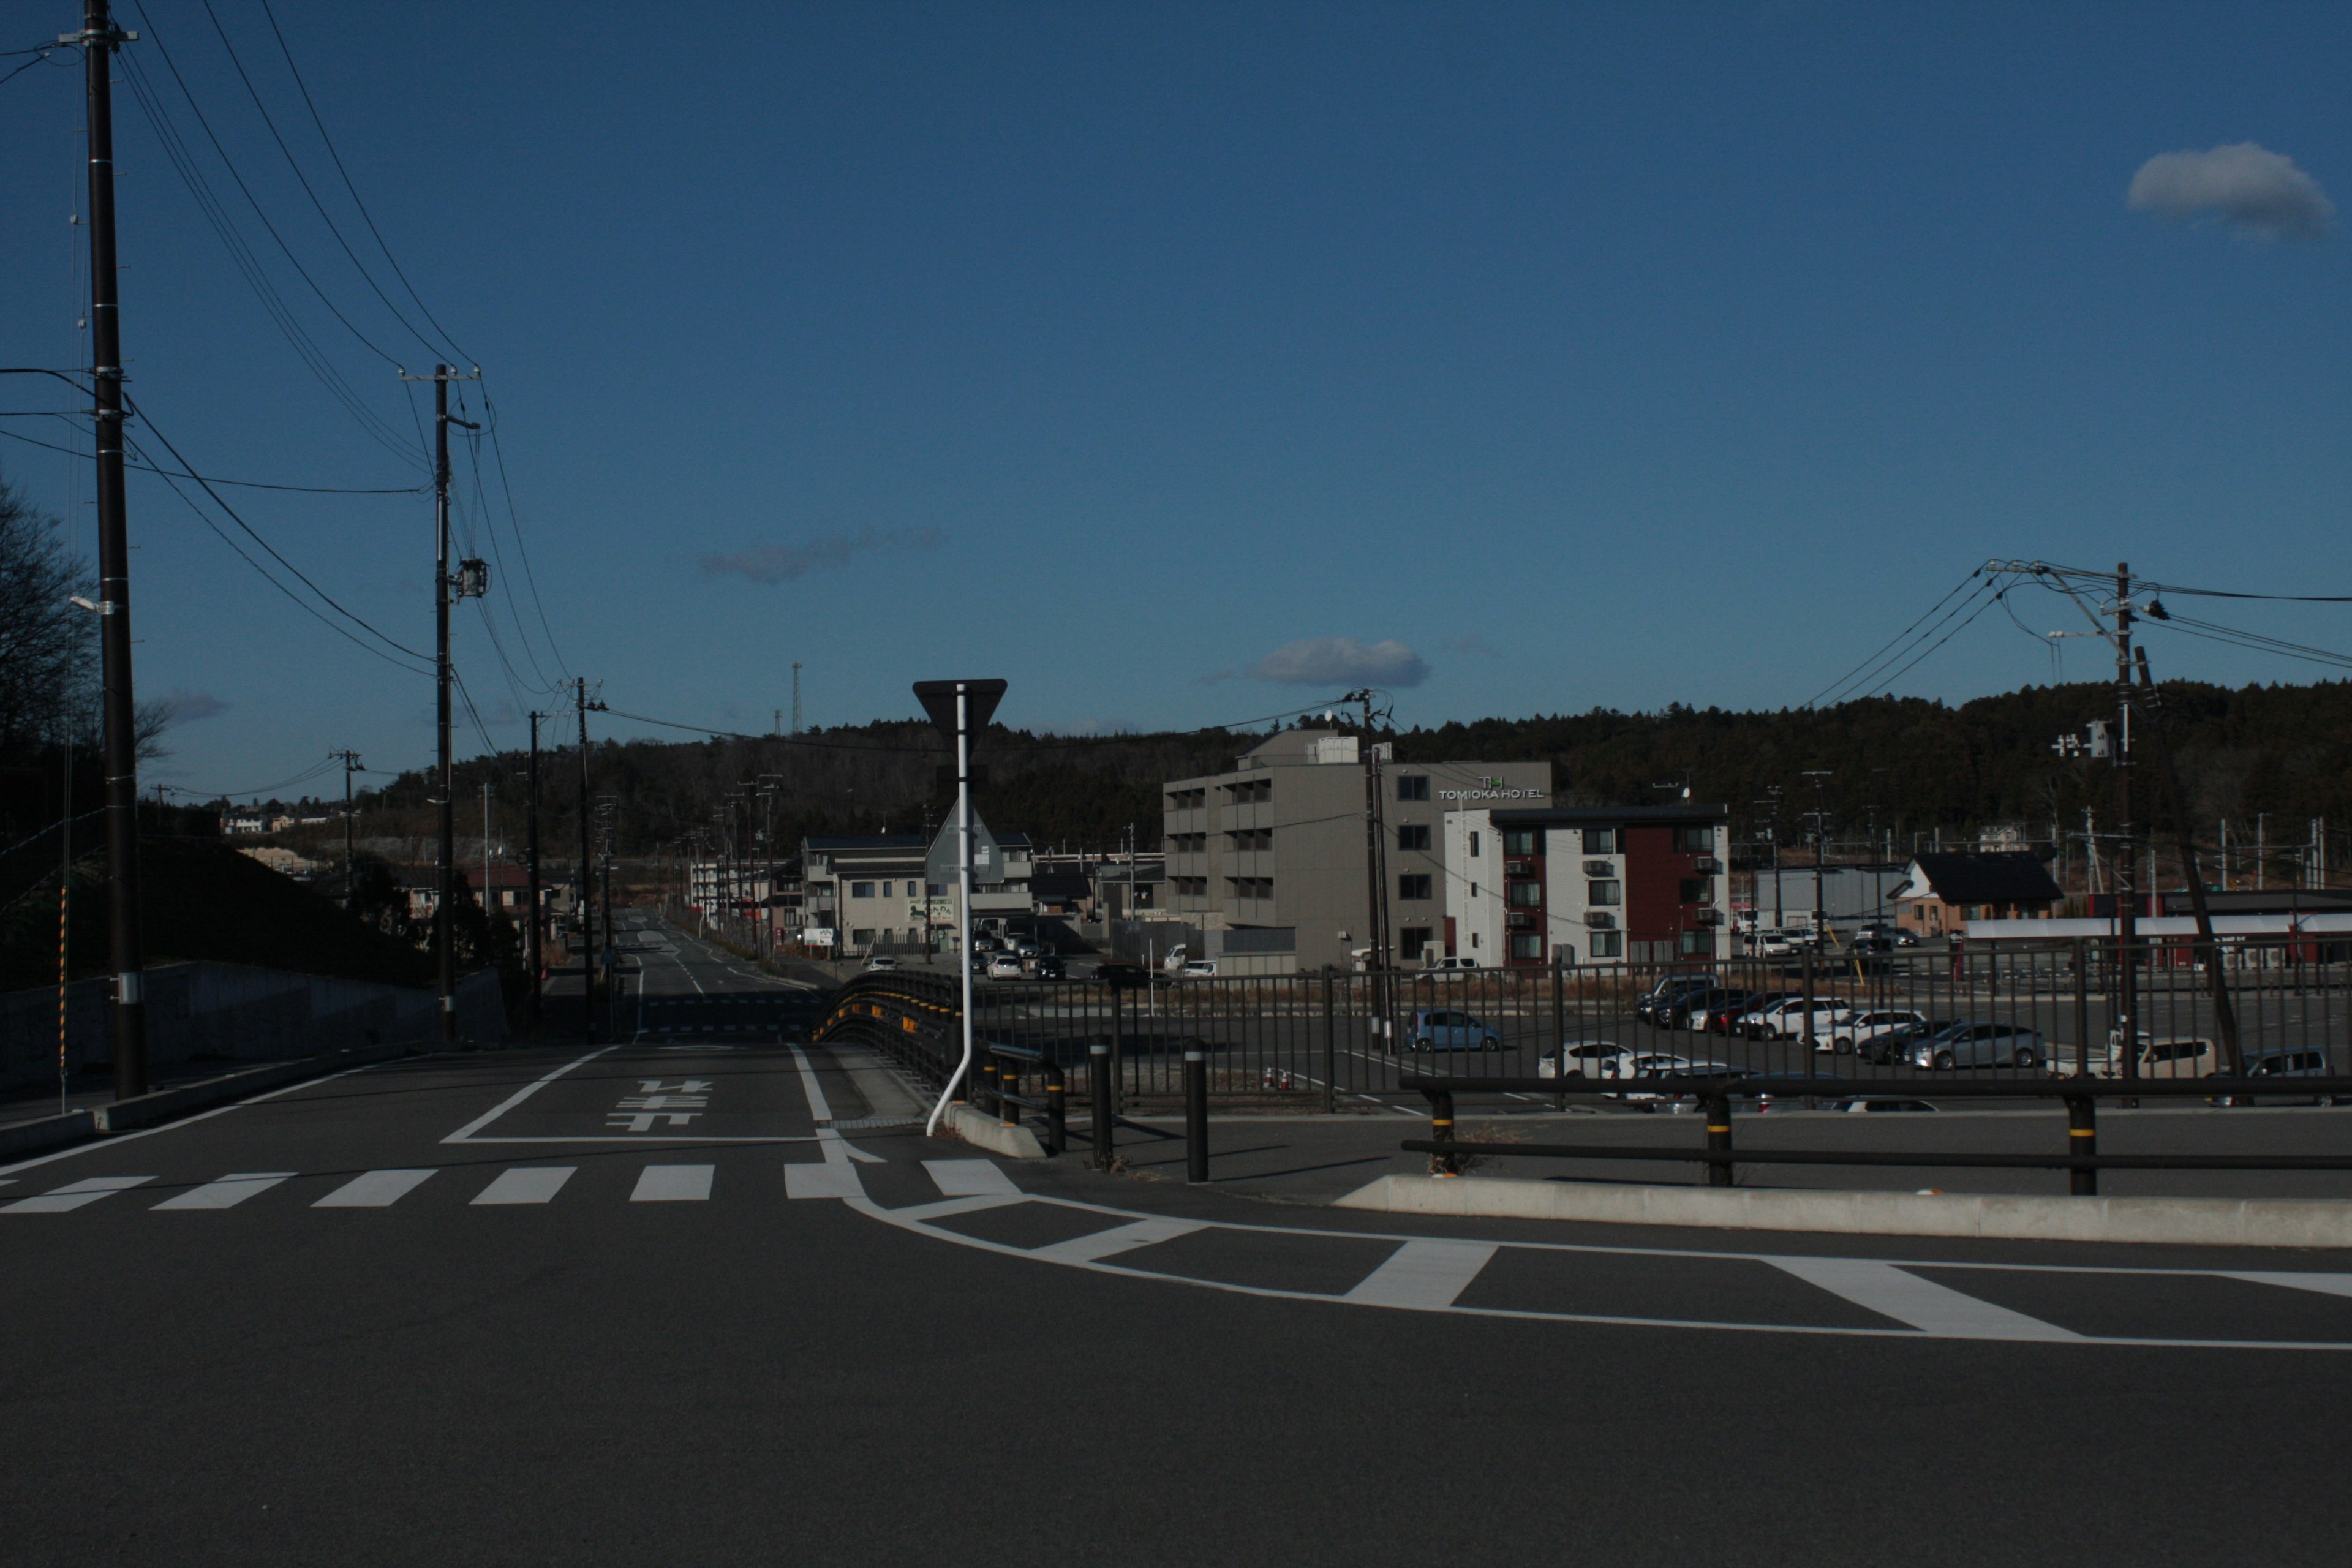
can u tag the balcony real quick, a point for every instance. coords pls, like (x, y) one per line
(1520, 920)
(1518, 866)
(1707, 866)
(1600, 869)
(1706, 917)
(1601, 920)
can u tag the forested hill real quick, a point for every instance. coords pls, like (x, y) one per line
(1905, 765)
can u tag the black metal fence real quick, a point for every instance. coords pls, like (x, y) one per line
(1339, 1042)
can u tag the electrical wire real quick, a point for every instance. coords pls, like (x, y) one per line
(188, 471)
(315, 770)
(215, 478)
(1887, 682)
(1865, 675)
(2254, 641)
(337, 158)
(514, 525)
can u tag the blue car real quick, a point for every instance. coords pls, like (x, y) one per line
(1443, 1030)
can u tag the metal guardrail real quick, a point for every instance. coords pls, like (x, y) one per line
(1001, 1070)
(1716, 1095)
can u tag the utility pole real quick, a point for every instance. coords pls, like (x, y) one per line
(960, 708)
(2225, 1015)
(1376, 958)
(99, 38)
(532, 950)
(796, 697)
(1821, 817)
(2126, 891)
(488, 903)
(446, 589)
(350, 760)
(584, 905)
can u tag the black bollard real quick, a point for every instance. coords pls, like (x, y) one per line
(1196, 1116)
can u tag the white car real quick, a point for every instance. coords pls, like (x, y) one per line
(1663, 1069)
(881, 961)
(1004, 966)
(1593, 1058)
(1451, 968)
(1198, 969)
(1764, 1023)
(1865, 1028)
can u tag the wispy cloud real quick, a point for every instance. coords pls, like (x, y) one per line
(2243, 184)
(1474, 642)
(188, 707)
(790, 562)
(1341, 661)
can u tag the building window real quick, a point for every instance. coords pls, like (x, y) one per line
(1527, 894)
(863, 936)
(1413, 837)
(1518, 841)
(1249, 887)
(1473, 847)
(861, 890)
(1602, 841)
(1699, 944)
(1698, 890)
(1411, 941)
(938, 889)
(1412, 888)
(1612, 893)
(1412, 786)
(1247, 838)
(1526, 945)
(1606, 944)
(1695, 840)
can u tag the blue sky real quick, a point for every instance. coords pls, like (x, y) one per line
(1554, 356)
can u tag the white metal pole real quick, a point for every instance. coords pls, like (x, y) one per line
(964, 902)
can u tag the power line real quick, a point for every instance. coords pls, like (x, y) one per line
(514, 526)
(214, 479)
(1864, 674)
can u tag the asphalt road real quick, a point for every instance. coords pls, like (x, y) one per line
(679, 1299)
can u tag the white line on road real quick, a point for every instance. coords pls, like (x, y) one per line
(1424, 1274)
(819, 1106)
(1893, 1293)
(673, 1185)
(74, 1194)
(1119, 1238)
(969, 1178)
(527, 1185)
(2326, 1284)
(465, 1133)
(826, 1178)
(373, 1190)
(228, 1191)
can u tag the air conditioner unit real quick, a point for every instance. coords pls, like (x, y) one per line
(1708, 917)
(1601, 920)
(1600, 869)
(1707, 864)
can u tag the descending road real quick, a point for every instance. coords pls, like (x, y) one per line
(700, 1294)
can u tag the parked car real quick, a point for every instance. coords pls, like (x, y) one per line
(1669, 990)
(1893, 933)
(1003, 966)
(1762, 1021)
(1589, 1059)
(881, 961)
(1862, 1029)
(1439, 1029)
(1966, 1045)
(2156, 1058)
(1782, 942)
(1723, 1017)
(1663, 1071)
(1122, 976)
(2284, 1065)
(1875, 1103)
(1450, 968)
(1821, 1025)
(1894, 1045)
(1198, 969)
(1690, 1010)
(1046, 966)
(1025, 949)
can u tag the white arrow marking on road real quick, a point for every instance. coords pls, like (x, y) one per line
(228, 1191)
(1896, 1293)
(1424, 1274)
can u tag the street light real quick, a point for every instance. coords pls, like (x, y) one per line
(957, 707)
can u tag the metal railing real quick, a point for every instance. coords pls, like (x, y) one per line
(1716, 1095)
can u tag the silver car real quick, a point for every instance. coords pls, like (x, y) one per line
(1980, 1045)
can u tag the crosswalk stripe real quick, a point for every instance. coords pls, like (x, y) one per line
(1424, 1274)
(525, 1184)
(1119, 1238)
(969, 1178)
(373, 1190)
(228, 1191)
(2326, 1284)
(1905, 1297)
(673, 1185)
(74, 1194)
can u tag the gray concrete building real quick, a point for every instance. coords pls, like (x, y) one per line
(1268, 861)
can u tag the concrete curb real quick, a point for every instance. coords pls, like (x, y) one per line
(48, 1132)
(146, 1109)
(2187, 1222)
(986, 1132)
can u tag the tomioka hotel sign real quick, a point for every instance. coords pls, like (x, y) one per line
(1494, 789)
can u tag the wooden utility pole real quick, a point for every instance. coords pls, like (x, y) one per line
(533, 949)
(2127, 869)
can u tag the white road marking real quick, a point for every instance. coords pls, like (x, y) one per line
(673, 1185)
(2326, 1284)
(465, 1133)
(1117, 1239)
(1897, 1293)
(828, 1178)
(373, 1190)
(527, 1185)
(969, 1178)
(1424, 1274)
(922, 1214)
(228, 1191)
(74, 1194)
(819, 1106)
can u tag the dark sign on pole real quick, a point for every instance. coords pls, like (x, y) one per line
(939, 700)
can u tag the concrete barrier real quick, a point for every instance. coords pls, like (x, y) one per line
(984, 1131)
(47, 1132)
(2187, 1222)
(179, 1099)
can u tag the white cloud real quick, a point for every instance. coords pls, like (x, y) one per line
(187, 707)
(1341, 661)
(790, 562)
(2243, 184)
